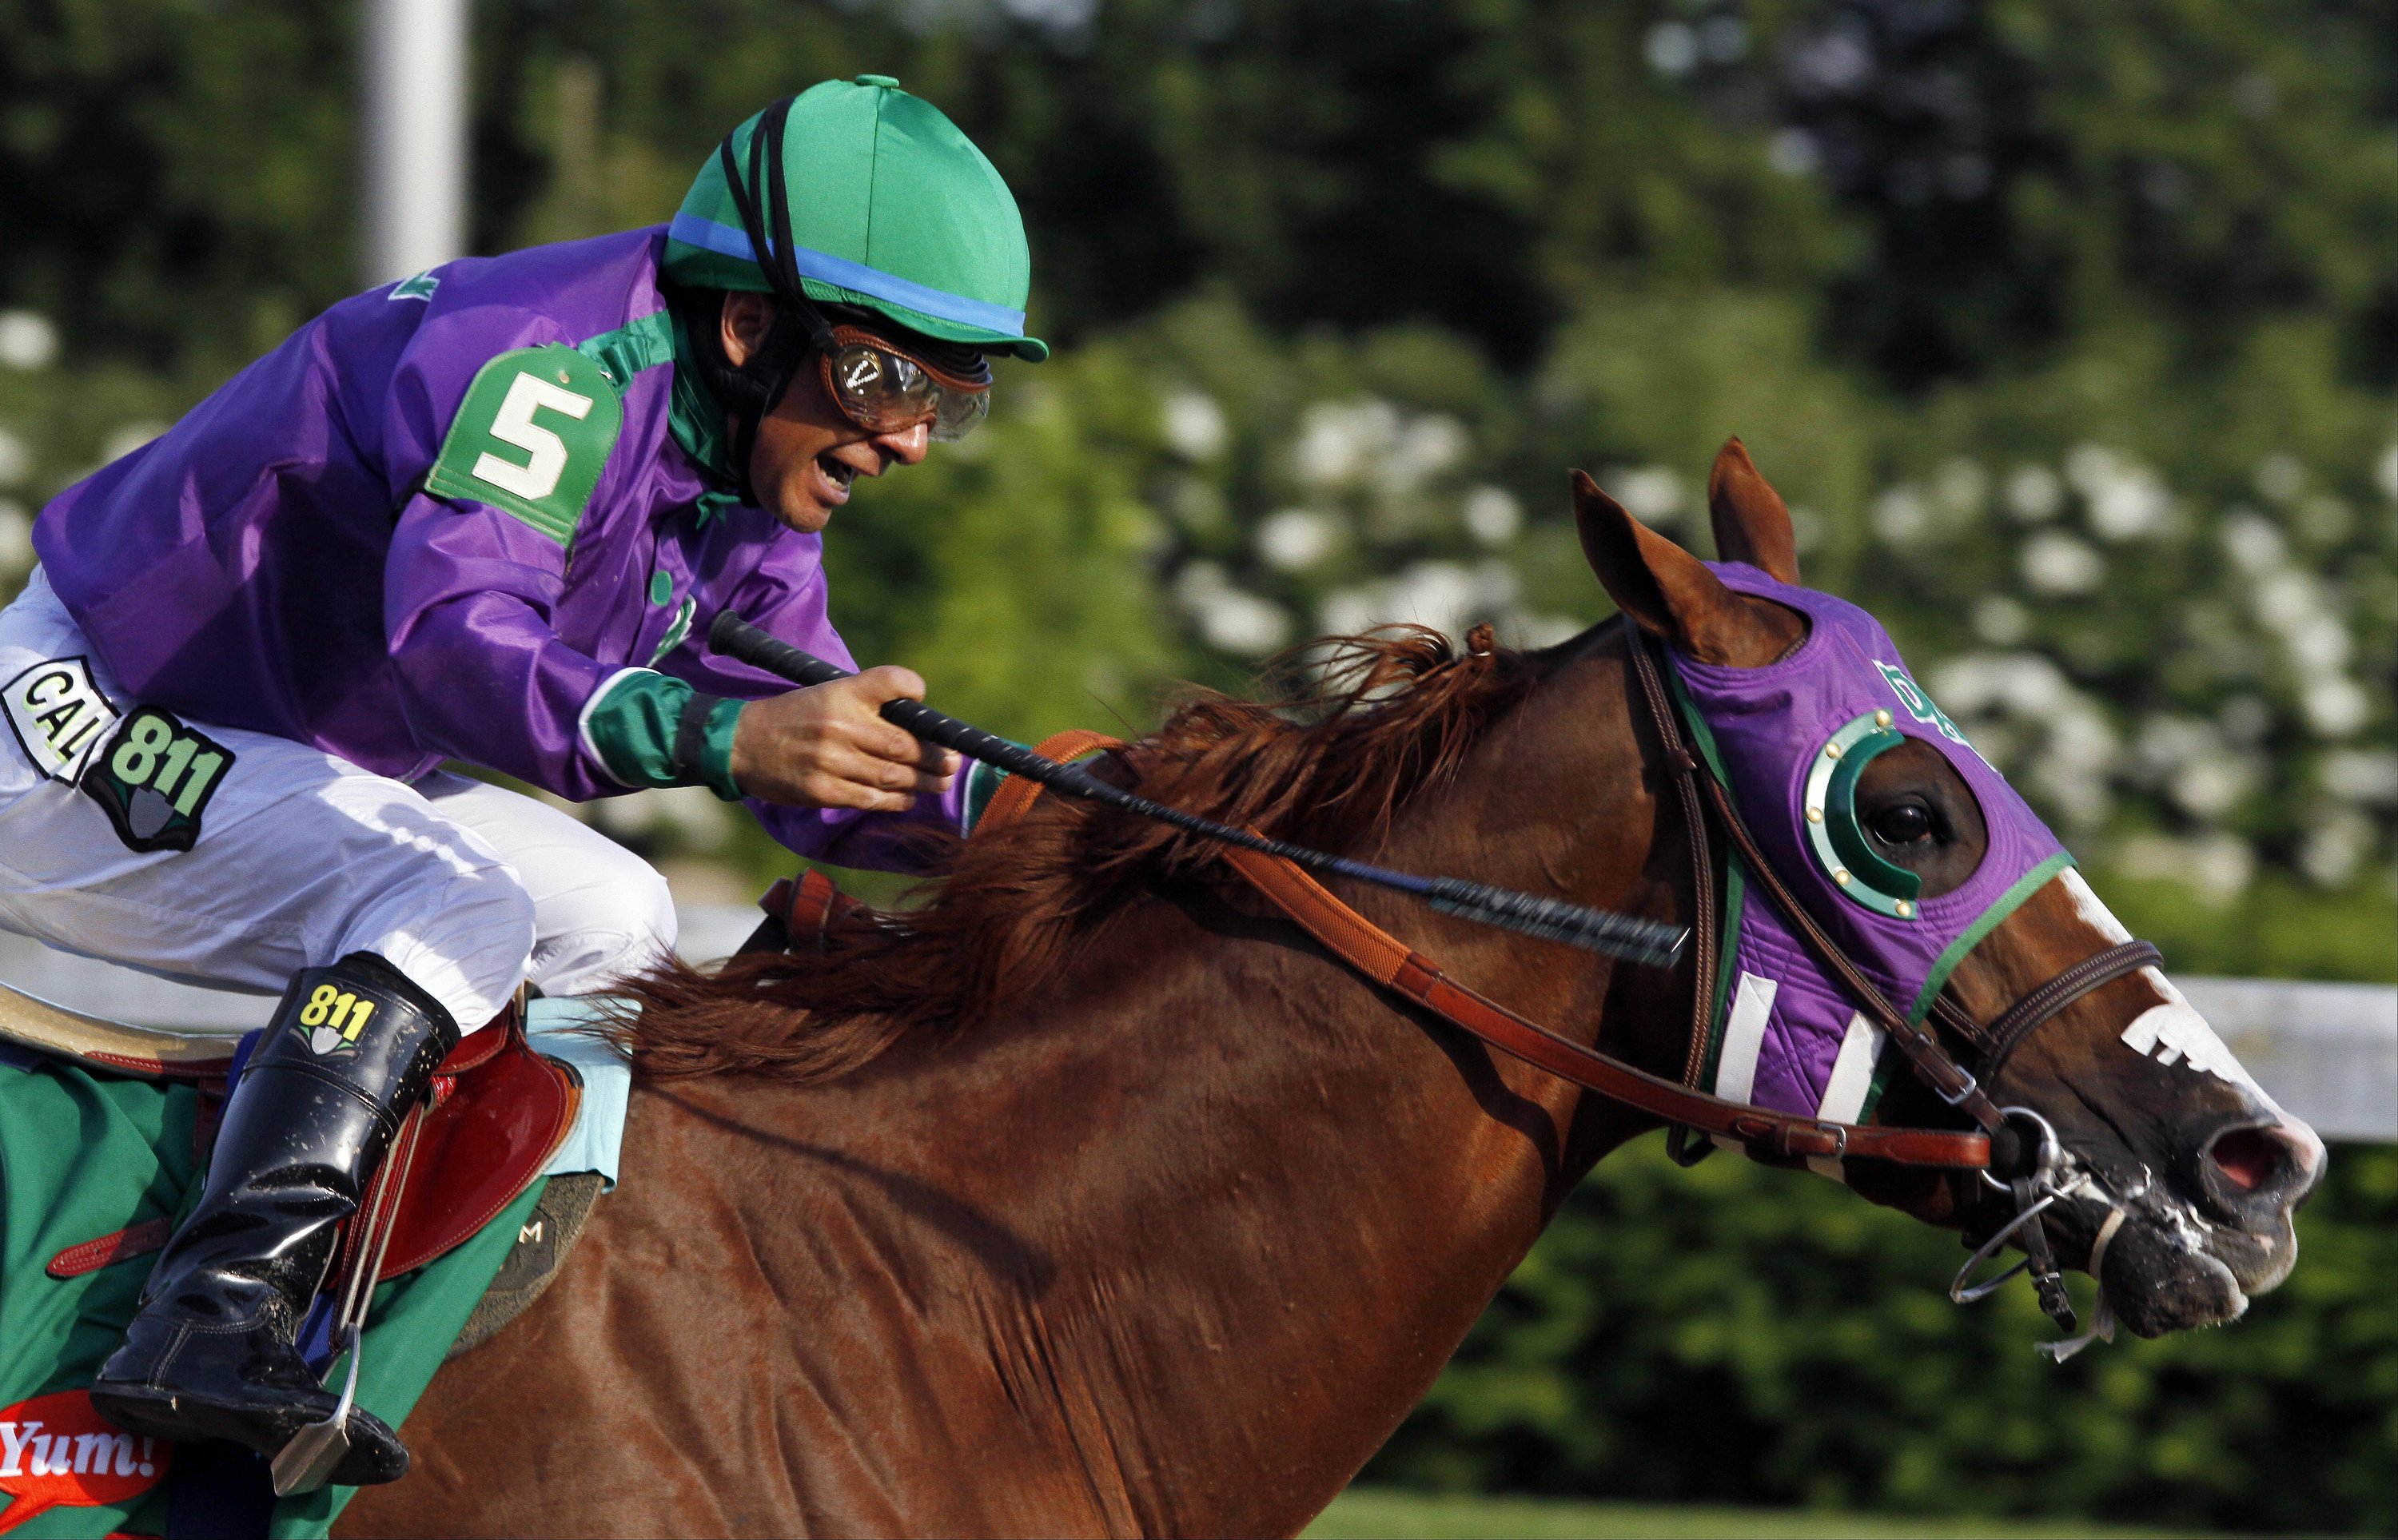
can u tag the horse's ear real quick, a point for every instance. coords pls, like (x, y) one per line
(1751, 525)
(1669, 593)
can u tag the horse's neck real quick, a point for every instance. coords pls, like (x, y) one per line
(1195, 1229)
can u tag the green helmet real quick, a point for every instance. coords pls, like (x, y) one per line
(878, 201)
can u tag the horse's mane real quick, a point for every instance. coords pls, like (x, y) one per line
(1391, 715)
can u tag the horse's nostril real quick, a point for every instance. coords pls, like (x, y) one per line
(2250, 1158)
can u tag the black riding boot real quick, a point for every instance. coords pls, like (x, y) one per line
(210, 1354)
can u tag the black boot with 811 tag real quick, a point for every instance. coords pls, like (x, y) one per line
(210, 1352)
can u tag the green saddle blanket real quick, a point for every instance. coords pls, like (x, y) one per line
(84, 1155)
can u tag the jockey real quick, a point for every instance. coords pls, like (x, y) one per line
(484, 514)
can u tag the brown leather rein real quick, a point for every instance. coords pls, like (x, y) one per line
(1377, 955)
(1369, 950)
(1387, 960)
(809, 907)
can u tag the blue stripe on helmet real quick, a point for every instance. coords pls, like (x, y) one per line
(825, 268)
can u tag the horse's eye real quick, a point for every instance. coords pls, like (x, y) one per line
(1903, 824)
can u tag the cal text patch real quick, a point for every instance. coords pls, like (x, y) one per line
(59, 715)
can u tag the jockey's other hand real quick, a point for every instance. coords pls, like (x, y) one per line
(829, 747)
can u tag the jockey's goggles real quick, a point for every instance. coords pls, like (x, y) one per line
(885, 388)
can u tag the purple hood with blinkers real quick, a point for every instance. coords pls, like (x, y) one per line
(1788, 740)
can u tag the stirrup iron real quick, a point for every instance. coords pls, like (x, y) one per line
(318, 1450)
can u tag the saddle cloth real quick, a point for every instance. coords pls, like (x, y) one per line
(499, 1111)
(139, 1102)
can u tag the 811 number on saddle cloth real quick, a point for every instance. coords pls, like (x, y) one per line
(153, 780)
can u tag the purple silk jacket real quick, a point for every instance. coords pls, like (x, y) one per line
(274, 562)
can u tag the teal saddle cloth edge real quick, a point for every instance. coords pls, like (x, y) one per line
(84, 1154)
(559, 1029)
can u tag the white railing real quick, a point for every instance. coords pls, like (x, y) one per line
(2327, 1052)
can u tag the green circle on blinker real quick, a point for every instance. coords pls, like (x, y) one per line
(1862, 874)
(661, 588)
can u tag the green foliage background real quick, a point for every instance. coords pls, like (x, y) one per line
(2071, 331)
(1739, 1336)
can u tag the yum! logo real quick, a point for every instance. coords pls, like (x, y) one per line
(55, 1451)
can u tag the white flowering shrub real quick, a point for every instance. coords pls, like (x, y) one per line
(2186, 667)
(1331, 487)
(2203, 680)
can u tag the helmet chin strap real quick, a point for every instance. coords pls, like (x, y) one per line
(762, 197)
(751, 390)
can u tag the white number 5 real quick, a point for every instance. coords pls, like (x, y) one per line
(537, 477)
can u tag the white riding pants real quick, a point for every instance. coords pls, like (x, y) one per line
(299, 857)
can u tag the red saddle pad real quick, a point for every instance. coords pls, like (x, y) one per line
(499, 1112)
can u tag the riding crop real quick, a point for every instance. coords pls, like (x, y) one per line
(1633, 938)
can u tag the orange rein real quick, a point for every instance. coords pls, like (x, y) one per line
(1369, 950)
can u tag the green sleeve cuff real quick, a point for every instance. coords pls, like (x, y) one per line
(629, 725)
(714, 765)
(634, 726)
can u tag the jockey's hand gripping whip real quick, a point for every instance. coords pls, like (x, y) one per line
(1635, 940)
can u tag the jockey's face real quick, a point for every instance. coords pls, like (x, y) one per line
(808, 451)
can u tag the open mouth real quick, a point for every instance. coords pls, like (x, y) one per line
(836, 474)
(2180, 1262)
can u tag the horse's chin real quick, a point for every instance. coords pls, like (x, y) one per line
(2183, 1272)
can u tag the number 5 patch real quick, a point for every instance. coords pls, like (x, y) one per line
(154, 778)
(531, 438)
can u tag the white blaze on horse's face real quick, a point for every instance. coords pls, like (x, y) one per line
(2170, 1033)
(2237, 1257)
(2175, 1032)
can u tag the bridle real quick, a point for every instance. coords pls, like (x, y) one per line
(2023, 1156)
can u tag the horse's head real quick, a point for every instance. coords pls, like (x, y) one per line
(2180, 1174)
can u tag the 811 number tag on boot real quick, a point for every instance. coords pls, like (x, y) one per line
(153, 780)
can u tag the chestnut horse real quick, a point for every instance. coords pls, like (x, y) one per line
(1103, 1202)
